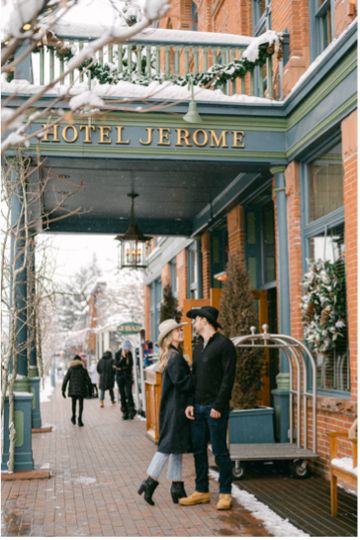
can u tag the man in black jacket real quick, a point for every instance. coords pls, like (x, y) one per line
(214, 359)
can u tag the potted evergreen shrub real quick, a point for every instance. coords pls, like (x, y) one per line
(169, 306)
(248, 422)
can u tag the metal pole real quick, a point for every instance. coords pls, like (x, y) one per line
(142, 381)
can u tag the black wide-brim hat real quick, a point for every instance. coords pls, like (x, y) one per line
(209, 312)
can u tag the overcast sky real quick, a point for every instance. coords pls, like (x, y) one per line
(72, 251)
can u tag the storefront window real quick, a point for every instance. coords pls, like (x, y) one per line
(268, 242)
(333, 371)
(326, 183)
(325, 241)
(260, 245)
(194, 283)
(173, 276)
(219, 252)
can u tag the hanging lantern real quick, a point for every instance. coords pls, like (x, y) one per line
(133, 243)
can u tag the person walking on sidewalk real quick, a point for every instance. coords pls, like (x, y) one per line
(80, 387)
(214, 359)
(174, 439)
(124, 379)
(107, 377)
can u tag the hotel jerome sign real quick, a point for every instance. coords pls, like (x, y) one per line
(137, 136)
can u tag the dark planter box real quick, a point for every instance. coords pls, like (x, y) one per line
(247, 426)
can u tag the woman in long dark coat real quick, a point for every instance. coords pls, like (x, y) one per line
(80, 387)
(105, 368)
(174, 437)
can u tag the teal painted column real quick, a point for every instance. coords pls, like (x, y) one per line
(34, 378)
(23, 70)
(23, 459)
(281, 394)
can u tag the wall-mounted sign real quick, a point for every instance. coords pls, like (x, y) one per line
(129, 328)
(143, 136)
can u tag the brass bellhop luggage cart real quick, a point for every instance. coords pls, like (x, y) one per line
(299, 449)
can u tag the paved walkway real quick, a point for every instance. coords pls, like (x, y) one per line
(96, 471)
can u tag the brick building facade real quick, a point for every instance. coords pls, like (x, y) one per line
(321, 220)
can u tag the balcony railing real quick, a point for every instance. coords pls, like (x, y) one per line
(165, 55)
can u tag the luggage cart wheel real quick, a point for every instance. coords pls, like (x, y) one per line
(299, 469)
(238, 470)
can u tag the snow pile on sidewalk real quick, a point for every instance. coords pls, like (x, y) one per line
(346, 464)
(275, 524)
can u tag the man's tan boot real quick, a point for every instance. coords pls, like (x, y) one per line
(224, 502)
(195, 498)
(101, 404)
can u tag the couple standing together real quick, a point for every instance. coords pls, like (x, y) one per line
(194, 409)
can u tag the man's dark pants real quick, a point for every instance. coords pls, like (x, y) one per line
(205, 429)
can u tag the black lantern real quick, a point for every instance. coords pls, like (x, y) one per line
(133, 242)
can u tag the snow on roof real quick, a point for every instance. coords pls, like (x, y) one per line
(90, 18)
(321, 59)
(128, 91)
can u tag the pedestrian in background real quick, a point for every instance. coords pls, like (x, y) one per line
(123, 366)
(174, 437)
(214, 360)
(80, 387)
(105, 368)
(148, 352)
(94, 376)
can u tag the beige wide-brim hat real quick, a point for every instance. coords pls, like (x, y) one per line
(166, 327)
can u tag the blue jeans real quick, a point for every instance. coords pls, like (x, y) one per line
(174, 466)
(205, 429)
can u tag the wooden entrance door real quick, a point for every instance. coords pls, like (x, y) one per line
(190, 303)
(262, 307)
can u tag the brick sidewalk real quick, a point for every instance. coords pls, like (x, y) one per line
(96, 471)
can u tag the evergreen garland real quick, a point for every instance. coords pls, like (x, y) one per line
(237, 315)
(323, 305)
(215, 77)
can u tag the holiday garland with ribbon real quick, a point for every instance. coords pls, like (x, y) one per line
(215, 77)
(324, 305)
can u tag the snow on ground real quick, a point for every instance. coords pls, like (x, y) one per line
(275, 524)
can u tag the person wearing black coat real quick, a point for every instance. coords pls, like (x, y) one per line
(80, 387)
(175, 438)
(124, 379)
(105, 368)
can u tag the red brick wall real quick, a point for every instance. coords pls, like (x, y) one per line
(349, 149)
(294, 16)
(345, 12)
(181, 274)
(165, 275)
(236, 234)
(295, 251)
(222, 21)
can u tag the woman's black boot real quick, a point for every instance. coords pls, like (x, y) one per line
(148, 487)
(177, 491)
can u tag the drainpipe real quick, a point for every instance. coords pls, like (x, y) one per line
(281, 394)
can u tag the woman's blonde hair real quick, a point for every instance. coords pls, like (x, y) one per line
(165, 351)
